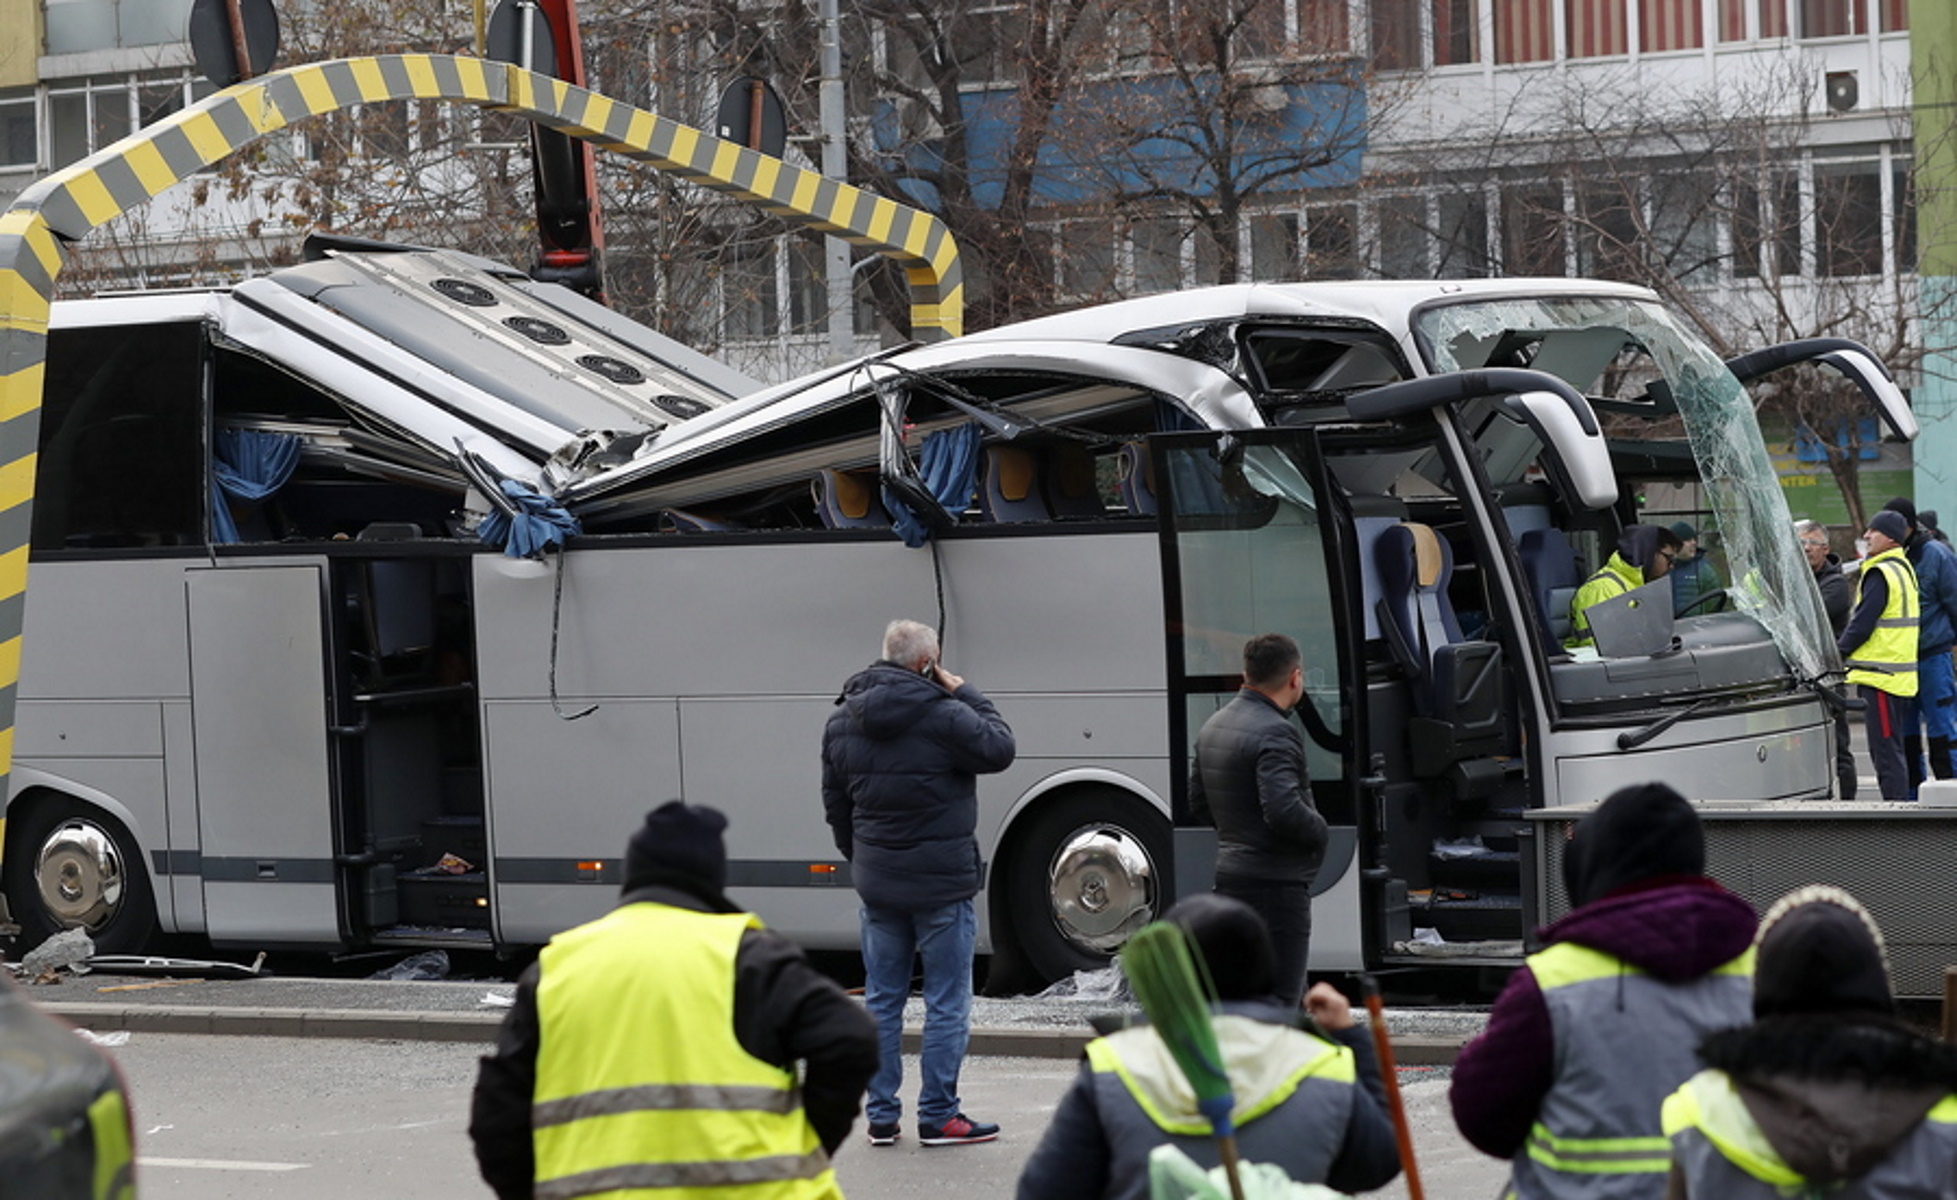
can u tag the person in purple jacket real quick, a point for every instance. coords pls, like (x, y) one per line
(1602, 1023)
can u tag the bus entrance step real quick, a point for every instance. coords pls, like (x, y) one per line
(1468, 915)
(1498, 870)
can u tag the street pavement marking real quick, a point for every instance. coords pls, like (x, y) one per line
(218, 1164)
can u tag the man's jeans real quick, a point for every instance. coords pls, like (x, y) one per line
(943, 939)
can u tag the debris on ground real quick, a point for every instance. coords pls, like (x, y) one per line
(1105, 985)
(429, 964)
(68, 951)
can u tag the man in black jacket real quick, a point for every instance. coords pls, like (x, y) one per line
(1836, 601)
(1250, 774)
(619, 1011)
(900, 760)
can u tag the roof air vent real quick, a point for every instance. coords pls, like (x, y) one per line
(462, 291)
(616, 370)
(680, 407)
(540, 331)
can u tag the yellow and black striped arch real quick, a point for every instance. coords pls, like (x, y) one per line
(68, 204)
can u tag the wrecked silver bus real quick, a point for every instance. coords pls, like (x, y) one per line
(375, 599)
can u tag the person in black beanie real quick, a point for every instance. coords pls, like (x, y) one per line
(1930, 719)
(1598, 1026)
(1827, 1092)
(675, 988)
(1317, 1090)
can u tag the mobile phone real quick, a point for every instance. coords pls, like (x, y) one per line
(930, 668)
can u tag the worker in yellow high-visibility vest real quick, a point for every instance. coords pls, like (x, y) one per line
(1879, 647)
(655, 1051)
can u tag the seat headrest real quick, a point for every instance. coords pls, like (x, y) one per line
(1012, 470)
(1428, 557)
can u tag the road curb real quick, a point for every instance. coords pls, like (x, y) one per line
(481, 1027)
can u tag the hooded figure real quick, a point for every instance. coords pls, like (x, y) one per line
(1602, 1023)
(1309, 1099)
(574, 1086)
(1826, 1092)
(1931, 723)
(1644, 554)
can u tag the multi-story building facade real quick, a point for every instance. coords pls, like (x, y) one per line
(1764, 162)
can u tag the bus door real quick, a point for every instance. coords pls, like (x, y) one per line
(1250, 547)
(265, 803)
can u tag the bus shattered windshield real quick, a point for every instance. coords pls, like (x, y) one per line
(1654, 382)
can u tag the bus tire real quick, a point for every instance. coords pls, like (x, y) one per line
(1083, 875)
(70, 866)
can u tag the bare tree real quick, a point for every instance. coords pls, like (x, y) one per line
(1717, 201)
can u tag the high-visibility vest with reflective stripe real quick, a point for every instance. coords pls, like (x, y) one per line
(1614, 578)
(1722, 1152)
(1624, 1040)
(115, 1165)
(1292, 1090)
(1887, 660)
(643, 1088)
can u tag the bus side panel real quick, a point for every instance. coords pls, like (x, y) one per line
(746, 647)
(265, 804)
(564, 792)
(1772, 753)
(104, 680)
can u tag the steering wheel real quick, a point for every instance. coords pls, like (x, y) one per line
(1718, 594)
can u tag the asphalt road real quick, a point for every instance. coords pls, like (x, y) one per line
(228, 1118)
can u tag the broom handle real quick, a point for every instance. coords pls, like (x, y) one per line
(1226, 1149)
(1390, 1076)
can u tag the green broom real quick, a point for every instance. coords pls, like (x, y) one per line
(1175, 991)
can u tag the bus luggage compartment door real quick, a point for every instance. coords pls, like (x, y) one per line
(264, 782)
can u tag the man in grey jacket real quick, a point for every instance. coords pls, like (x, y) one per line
(1249, 778)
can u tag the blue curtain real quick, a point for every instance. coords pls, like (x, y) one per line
(248, 464)
(538, 523)
(948, 461)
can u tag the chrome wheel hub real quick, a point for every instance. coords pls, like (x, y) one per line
(80, 874)
(1103, 887)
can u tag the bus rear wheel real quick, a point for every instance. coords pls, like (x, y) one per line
(70, 867)
(1083, 876)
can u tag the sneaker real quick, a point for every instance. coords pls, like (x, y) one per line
(884, 1133)
(958, 1131)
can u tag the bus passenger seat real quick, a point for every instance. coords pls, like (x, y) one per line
(1137, 479)
(1072, 489)
(1415, 617)
(1549, 562)
(1009, 485)
(849, 499)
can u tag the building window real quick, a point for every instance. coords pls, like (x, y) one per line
(1157, 250)
(1684, 224)
(85, 116)
(18, 143)
(1331, 242)
(808, 285)
(1767, 228)
(1086, 259)
(1669, 25)
(1848, 219)
(1403, 237)
(1274, 246)
(1773, 18)
(1408, 36)
(1532, 230)
(989, 43)
(1597, 28)
(1895, 16)
(1463, 236)
(75, 26)
(1606, 231)
(748, 295)
(1902, 191)
(1525, 31)
(1834, 18)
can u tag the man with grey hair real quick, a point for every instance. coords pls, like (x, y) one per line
(900, 760)
(1836, 601)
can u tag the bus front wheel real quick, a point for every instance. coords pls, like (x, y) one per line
(70, 867)
(1083, 876)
